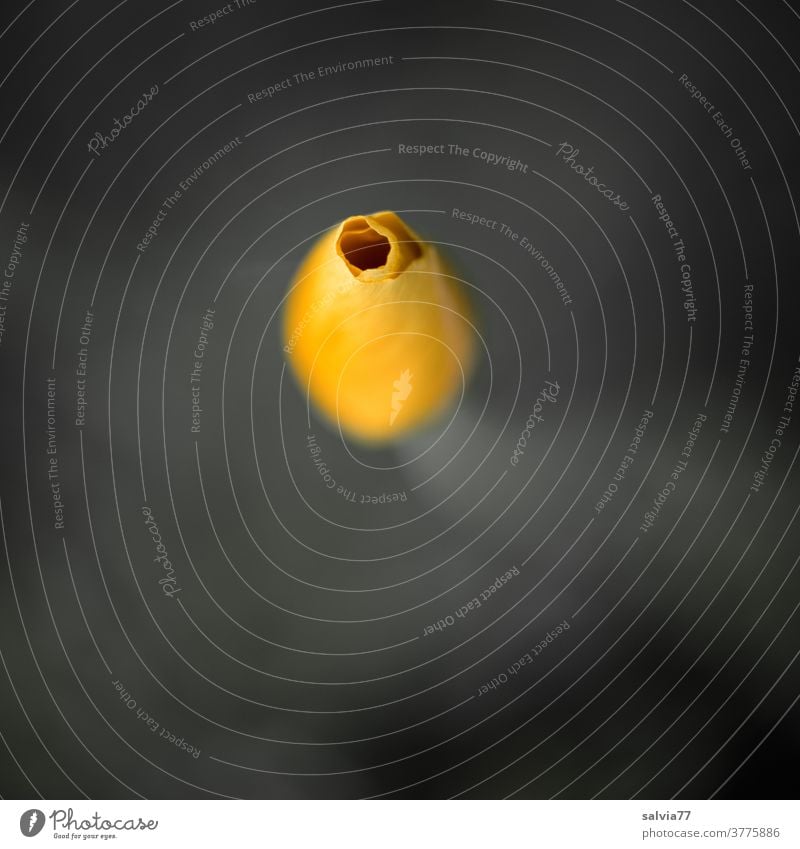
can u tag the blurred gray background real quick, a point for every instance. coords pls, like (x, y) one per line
(295, 655)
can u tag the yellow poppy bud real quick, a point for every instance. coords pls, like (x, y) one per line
(376, 331)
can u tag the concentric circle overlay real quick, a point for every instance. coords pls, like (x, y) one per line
(576, 576)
